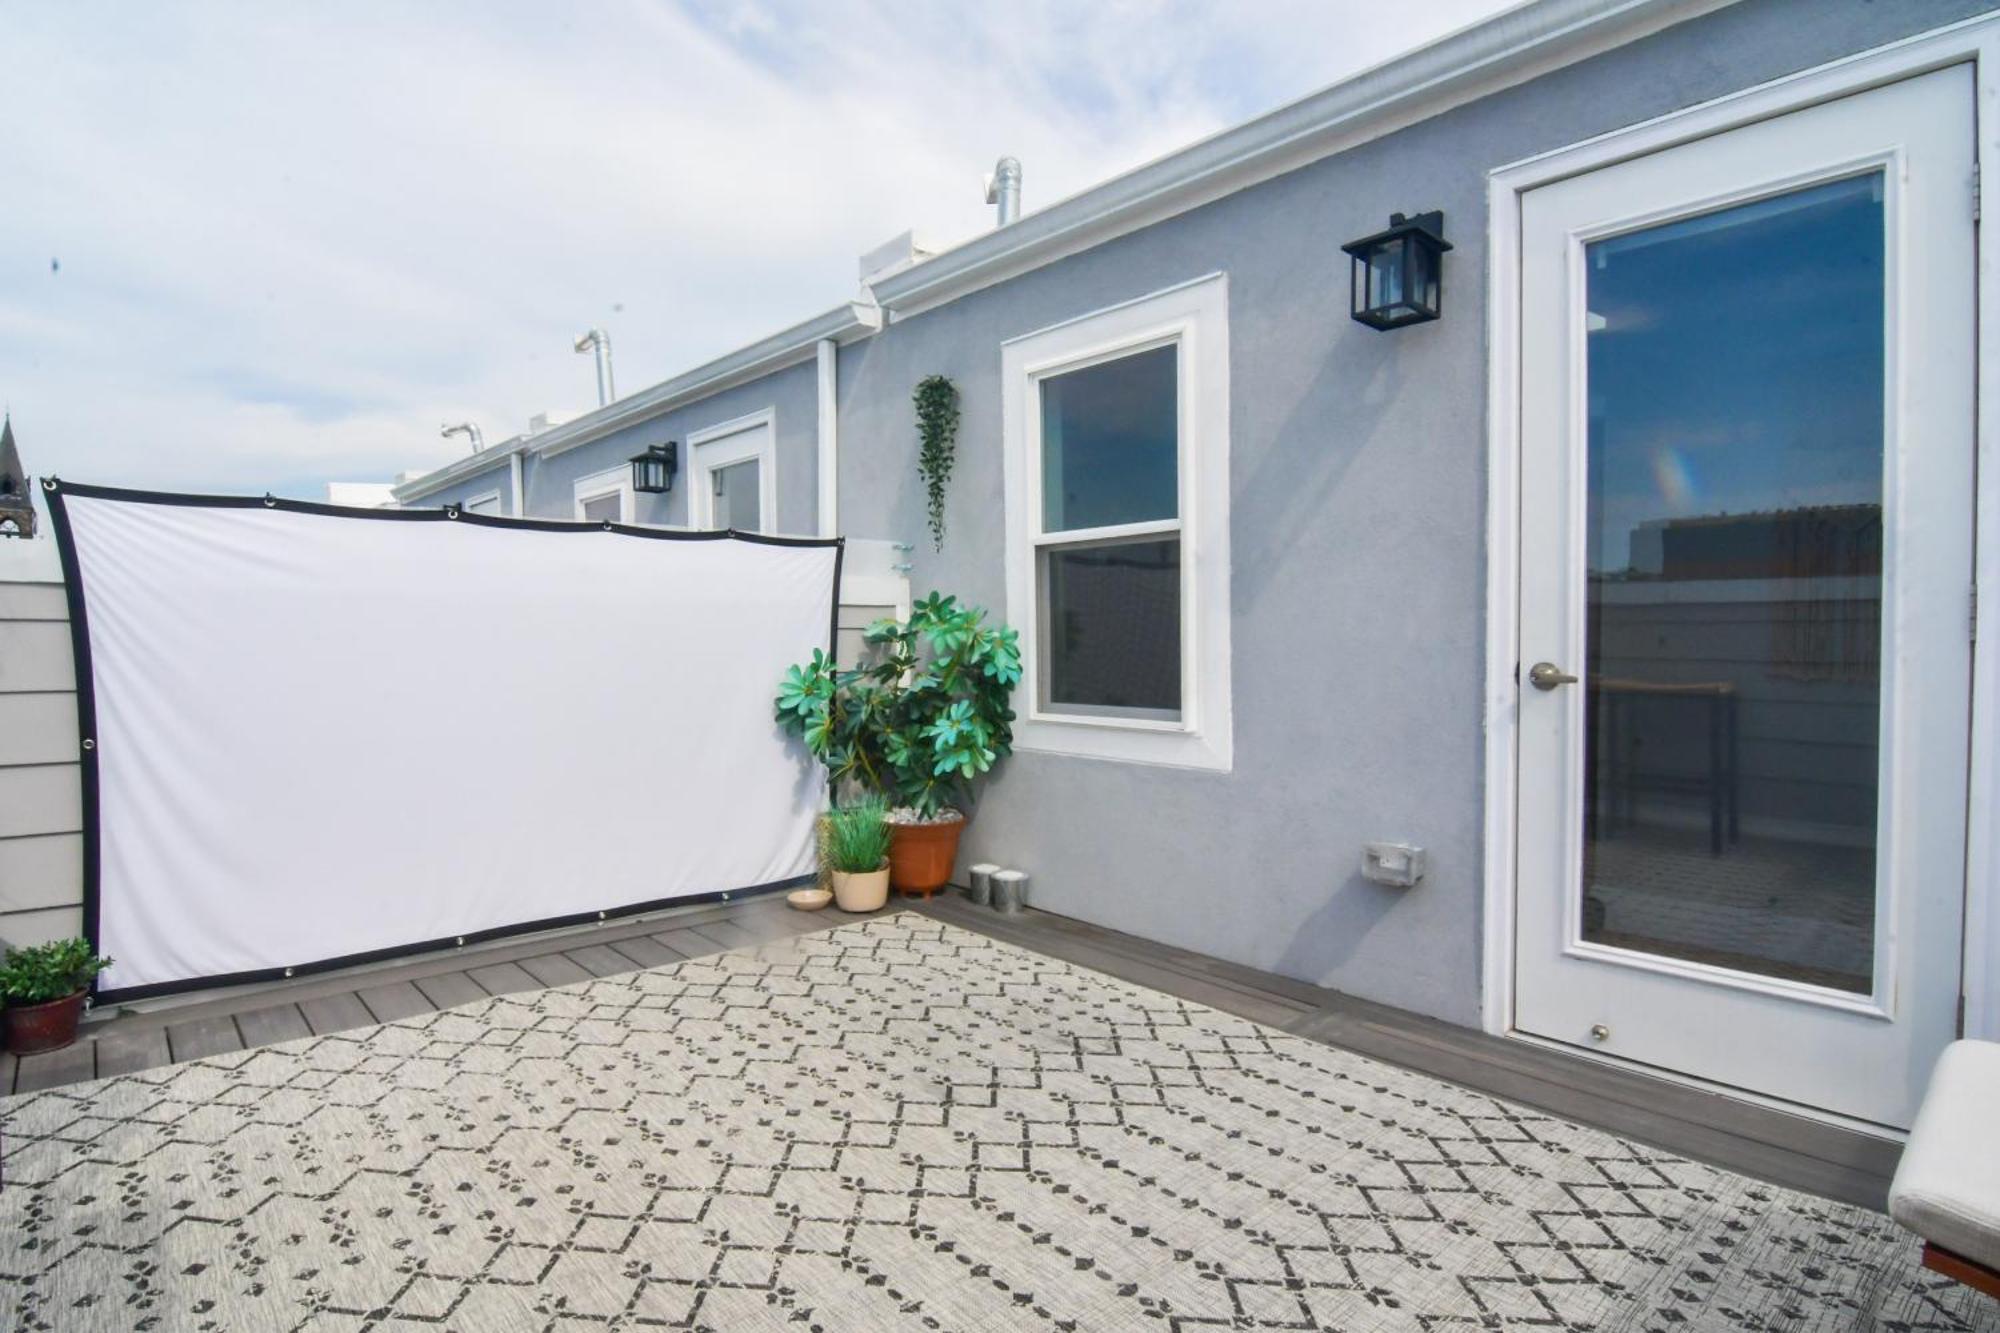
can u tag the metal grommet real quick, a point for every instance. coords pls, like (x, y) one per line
(48, 483)
(461, 941)
(288, 971)
(451, 511)
(270, 500)
(608, 525)
(600, 916)
(89, 744)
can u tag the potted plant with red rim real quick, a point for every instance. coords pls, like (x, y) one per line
(918, 722)
(44, 986)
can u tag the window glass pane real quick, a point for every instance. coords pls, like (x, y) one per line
(738, 496)
(1109, 443)
(1735, 615)
(1112, 626)
(602, 507)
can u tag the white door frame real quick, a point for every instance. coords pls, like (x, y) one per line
(714, 447)
(612, 481)
(1976, 40)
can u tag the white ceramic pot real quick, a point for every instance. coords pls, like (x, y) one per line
(863, 891)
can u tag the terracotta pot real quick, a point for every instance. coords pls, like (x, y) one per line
(921, 856)
(861, 890)
(32, 1028)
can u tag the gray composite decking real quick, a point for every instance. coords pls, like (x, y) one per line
(1765, 1142)
(1770, 1144)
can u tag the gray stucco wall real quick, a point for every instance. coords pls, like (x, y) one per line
(494, 478)
(793, 396)
(1358, 532)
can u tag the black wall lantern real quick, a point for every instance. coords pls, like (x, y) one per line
(1396, 275)
(653, 471)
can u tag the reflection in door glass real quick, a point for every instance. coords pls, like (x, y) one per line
(1735, 554)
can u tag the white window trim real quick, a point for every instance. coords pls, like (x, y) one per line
(612, 481)
(1975, 39)
(734, 441)
(465, 505)
(1194, 315)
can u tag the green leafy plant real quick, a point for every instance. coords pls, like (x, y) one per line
(857, 836)
(937, 446)
(45, 972)
(923, 718)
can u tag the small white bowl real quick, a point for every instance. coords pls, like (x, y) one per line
(809, 900)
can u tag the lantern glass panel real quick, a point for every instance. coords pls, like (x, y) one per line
(1423, 276)
(1392, 266)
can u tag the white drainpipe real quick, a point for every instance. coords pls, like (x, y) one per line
(829, 438)
(514, 476)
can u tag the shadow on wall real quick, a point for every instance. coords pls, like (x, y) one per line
(1332, 935)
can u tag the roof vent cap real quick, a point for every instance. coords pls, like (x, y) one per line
(893, 256)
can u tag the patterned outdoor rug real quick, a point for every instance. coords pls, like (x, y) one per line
(894, 1125)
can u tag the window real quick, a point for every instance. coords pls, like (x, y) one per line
(1117, 460)
(605, 495)
(489, 503)
(733, 475)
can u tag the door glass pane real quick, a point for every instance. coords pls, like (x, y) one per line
(601, 508)
(1736, 412)
(1112, 628)
(739, 496)
(1110, 443)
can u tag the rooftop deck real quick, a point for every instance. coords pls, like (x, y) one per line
(1769, 1144)
(934, 1118)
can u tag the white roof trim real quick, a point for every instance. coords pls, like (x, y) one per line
(459, 469)
(1473, 62)
(843, 323)
(796, 344)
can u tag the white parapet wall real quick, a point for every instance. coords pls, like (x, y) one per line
(41, 808)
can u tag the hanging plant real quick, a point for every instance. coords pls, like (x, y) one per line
(937, 435)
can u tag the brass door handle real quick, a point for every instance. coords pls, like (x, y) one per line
(1547, 675)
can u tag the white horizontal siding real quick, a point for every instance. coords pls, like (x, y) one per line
(36, 656)
(38, 728)
(41, 799)
(40, 871)
(34, 601)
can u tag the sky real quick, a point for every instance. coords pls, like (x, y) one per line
(249, 248)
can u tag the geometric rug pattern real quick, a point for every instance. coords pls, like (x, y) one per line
(891, 1125)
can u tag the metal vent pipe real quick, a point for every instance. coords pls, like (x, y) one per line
(598, 341)
(469, 431)
(1003, 190)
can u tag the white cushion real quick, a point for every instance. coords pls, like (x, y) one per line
(1947, 1188)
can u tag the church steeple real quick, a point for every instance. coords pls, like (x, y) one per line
(17, 502)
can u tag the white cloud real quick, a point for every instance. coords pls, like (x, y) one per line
(293, 241)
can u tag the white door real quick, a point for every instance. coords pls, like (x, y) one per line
(1746, 518)
(734, 482)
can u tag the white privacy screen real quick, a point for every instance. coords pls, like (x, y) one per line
(318, 735)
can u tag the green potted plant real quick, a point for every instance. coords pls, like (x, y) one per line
(937, 443)
(917, 723)
(856, 847)
(44, 988)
